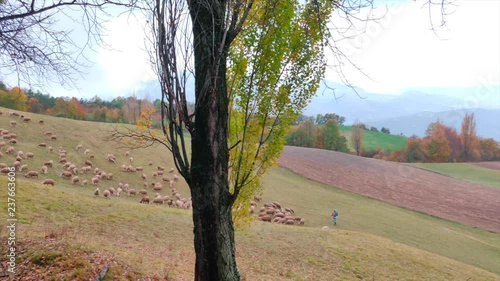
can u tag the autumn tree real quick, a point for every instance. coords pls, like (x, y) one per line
(332, 140)
(437, 145)
(60, 108)
(490, 149)
(131, 110)
(415, 150)
(76, 110)
(357, 137)
(34, 105)
(15, 98)
(469, 139)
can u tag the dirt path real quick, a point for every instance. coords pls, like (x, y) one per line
(399, 184)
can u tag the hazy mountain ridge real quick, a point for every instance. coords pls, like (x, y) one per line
(411, 112)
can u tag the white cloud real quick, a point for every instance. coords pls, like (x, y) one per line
(402, 52)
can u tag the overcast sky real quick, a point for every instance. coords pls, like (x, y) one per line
(398, 53)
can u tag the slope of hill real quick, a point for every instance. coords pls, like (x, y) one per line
(464, 171)
(399, 184)
(156, 241)
(372, 140)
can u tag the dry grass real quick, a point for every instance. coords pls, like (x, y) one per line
(145, 242)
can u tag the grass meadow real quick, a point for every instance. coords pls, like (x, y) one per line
(61, 229)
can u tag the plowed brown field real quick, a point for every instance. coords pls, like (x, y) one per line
(489, 165)
(398, 184)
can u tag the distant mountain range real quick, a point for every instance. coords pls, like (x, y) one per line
(411, 112)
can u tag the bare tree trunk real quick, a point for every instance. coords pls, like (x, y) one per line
(212, 201)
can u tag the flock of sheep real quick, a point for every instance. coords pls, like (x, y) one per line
(275, 212)
(87, 173)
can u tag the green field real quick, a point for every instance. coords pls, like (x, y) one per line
(373, 240)
(372, 140)
(464, 171)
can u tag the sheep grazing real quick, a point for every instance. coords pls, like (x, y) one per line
(44, 169)
(171, 170)
(160, 168)
(257, 198)
(13, 141)
(144, 176)
(112, 190)
(31, 174)
(75, 180)
(145, 199)
(176, 178)
(49, 182)
(42, 144)
(53, 137)
(5, 170)
(158, 200)
(23, 167)
(66, 174)
(1, 154)
(112, 159)
(87, 151)
(51, 149)
(84, 182)
(132, 192)
(158, 186)
(49, 163)
(29, 155)
(127, 153)
(265, 218)
(139, 169)
(40, 122)
(97, 192)
(118, 191)
(13, 123)
(2, 144)
(109, 176)
(131, 159)
(150, 163)
(88, 163)
(9, 150)
(26, 119)
(143, 192)
(94, 180)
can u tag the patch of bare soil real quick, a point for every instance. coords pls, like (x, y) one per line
(399, 184)
(489, 165)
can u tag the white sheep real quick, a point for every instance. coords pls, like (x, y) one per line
(97, 191)
(49, 182)
(74, 180)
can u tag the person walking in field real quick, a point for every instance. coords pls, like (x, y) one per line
(335, 214)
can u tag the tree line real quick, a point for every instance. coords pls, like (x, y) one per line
(117, 110)
(444, 144)
(440, 144)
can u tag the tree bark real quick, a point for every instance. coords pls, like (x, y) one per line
(212, 201)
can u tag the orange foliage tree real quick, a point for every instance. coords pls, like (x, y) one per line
(34, 105)
(469, 139)
(437, 145)
(76, 110)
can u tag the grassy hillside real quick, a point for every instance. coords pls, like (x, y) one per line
(374, 140)
(464, 171)
(156, 241)
(373, 241)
